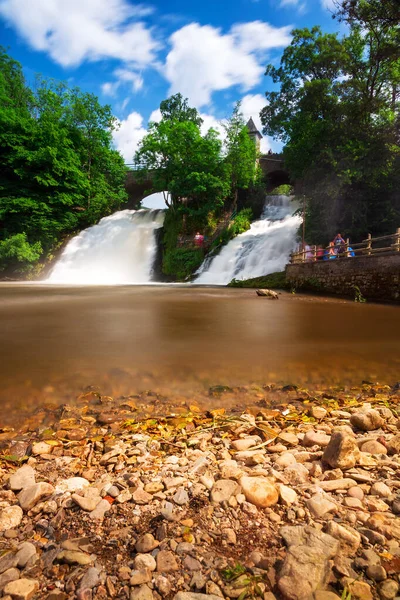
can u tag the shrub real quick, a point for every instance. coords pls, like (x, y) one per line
(182, 262)
(17, 254)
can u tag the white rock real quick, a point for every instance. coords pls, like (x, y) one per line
(10, 517)
(319, 506)
(287, 495)
(41, 448)
(144, 561)
(21, 589)
(73, 484)
(31, 495)
(22, 478)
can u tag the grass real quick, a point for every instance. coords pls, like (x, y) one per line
(272, 281)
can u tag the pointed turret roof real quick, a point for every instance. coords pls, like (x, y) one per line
(251, 126)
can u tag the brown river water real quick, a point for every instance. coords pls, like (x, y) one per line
(180, 340)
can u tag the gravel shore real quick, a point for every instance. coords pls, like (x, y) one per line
(294, 498)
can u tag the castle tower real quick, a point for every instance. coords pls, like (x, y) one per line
(254, 133)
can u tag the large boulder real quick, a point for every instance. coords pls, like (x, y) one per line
(307, 565)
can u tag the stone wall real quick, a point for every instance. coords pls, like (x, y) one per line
(377, 277)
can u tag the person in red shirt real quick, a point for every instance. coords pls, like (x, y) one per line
(199, 240)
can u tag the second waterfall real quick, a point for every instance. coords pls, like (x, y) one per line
(263, 249)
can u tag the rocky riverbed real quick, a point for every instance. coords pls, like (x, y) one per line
(296, 497)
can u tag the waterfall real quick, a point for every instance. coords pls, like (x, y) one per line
(263, 249)
(120, 249)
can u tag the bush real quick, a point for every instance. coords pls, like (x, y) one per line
(282, 190)
(271, 281)
(240, 224)
(17, 254)
(182, 262)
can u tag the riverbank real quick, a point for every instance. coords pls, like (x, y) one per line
(297, 495)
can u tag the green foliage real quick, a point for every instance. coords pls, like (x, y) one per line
(59, 170)
(240, 154)
(17, 253)
(273, 281)
(239, 224)
(336, 110)
(182, 262)
(282, 190)
(182, 161)
(358, 297)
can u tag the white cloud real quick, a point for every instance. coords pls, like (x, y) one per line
(328, 4)
(75, 31)
(128, 135)
(109, 88)
(155, 116)
(125, 75)
(203, 60)
(210, 122)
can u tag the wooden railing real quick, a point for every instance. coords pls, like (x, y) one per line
(386, 244)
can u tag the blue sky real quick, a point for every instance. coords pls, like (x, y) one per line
(134, 55)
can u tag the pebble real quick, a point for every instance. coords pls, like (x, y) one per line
(319, 506)
(336, 484)
(98, 513)
(285, 460)
(374, 447)
(316, 438)
(141, 497)
(368, 420)
(246, 443)
(141, 593)
(22, 478)
(259, 491)
(146, 543)
(181, 497)
(41, 448)
(287, 495)
(318, 412)
(74, 557)
(90, 579)
(380, 489)
(88, 504)
(163, 585)
(140, 576)
(376, 572)
(73, 484)
(288, 438)
(7, 576)
(223, 489)
(393, 445)
(144, 561)
(166, 562)
(33, 494)
(342, 451)
(26, 551)
(21, 589)
(10, 518)
(353, 503)
(355, 492)
(388, 589)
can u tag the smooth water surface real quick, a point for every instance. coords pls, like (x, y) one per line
(57, 340)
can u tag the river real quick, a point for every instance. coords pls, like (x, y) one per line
(180, 340)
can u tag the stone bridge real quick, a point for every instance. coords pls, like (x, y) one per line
(272, 165)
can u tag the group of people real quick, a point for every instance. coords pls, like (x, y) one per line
(337, 248)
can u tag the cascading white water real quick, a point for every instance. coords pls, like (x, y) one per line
(261, 250)
(120, 249)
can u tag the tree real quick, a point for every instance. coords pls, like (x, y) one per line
(59, 171)
(182, 161)
(176, 108)
(240, 153)
(335, 113)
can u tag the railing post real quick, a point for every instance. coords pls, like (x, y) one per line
(347, 247)
(314, 253)
(369, 244)
(397, 242)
